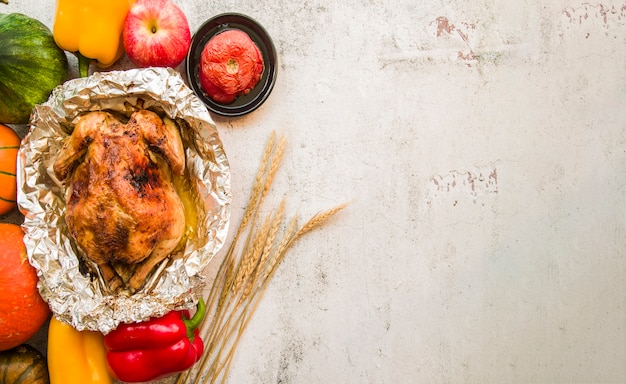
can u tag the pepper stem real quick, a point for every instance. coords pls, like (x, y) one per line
(196, 319)
(83, 64)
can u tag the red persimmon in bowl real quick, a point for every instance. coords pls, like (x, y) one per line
(230, 65)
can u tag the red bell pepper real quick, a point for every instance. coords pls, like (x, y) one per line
(155, 348)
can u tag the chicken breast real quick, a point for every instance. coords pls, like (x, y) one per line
(122, 208)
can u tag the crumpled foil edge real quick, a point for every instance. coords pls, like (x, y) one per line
(74, 296)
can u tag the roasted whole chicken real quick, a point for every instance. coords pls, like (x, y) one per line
(121, 206)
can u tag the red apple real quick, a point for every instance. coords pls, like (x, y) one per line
(156, 34)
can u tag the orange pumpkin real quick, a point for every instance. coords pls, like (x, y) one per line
(22, 310)
(9, 144)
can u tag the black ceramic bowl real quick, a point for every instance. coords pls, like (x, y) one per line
(245, 103)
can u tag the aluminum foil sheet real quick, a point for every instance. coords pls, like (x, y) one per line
(73, 288)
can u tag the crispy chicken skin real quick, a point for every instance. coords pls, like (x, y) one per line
(122, 208)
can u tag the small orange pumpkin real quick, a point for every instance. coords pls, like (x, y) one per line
(22, 310)
(9, 145)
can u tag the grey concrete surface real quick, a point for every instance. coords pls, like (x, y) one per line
(482, 146)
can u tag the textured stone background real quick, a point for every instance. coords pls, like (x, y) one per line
(482, 145)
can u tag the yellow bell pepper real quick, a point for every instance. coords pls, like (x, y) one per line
(76, 357)
(91, 29)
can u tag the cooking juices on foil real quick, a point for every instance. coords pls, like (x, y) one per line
(71, 284)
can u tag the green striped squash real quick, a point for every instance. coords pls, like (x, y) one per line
(31, 66)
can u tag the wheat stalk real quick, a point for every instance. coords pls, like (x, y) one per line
(318, 220)
(274, 165)
(258, 185)
(252, 255)
(270, 244)
(247, 270)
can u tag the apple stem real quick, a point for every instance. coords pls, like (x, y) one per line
(83, 64)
